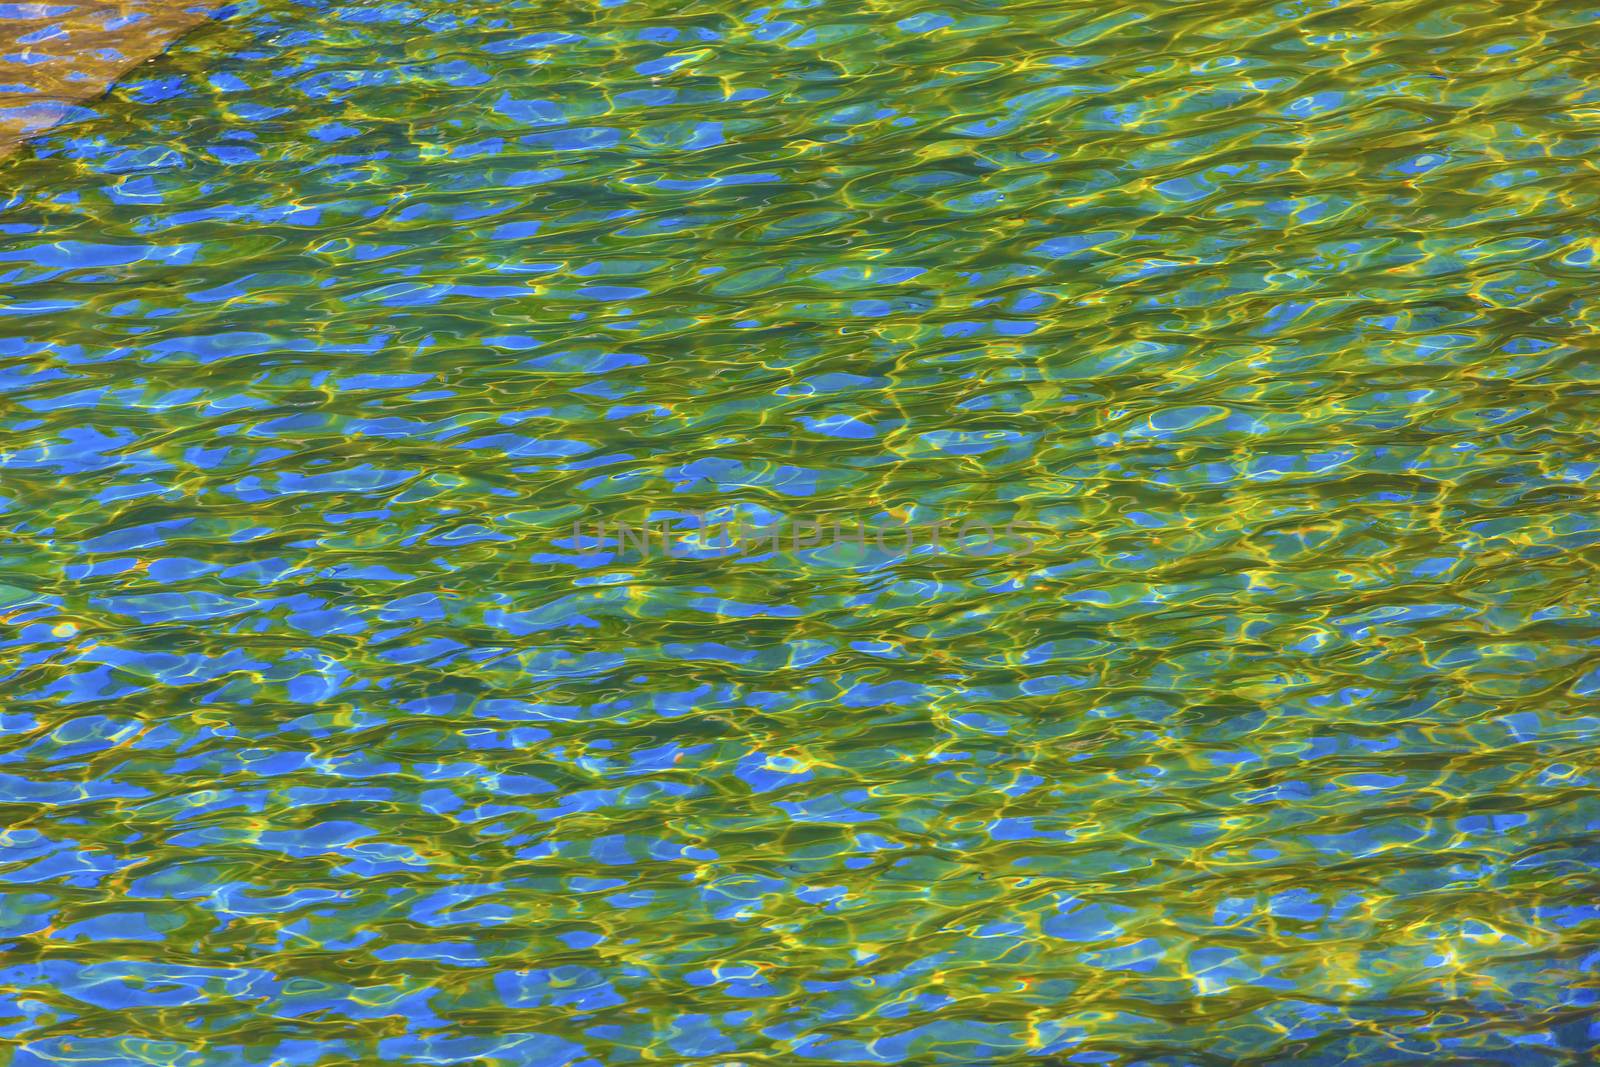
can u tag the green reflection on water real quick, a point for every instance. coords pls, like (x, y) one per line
(1276, 747)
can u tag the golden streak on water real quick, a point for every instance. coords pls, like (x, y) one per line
(324, 742)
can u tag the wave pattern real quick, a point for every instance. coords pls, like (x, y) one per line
(327, 741)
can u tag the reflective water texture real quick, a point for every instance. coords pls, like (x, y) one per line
(54, 56)
(325, 741)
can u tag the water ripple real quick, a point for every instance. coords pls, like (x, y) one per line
(328, 738)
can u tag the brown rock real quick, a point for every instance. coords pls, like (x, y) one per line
(54, 55)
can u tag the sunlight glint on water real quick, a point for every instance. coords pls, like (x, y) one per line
(325, 742)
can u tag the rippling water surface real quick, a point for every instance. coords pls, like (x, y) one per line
(326, 741)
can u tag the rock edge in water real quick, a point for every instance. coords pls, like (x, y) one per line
(56, 56)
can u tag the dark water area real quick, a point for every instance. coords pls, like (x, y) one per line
(571, 535)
